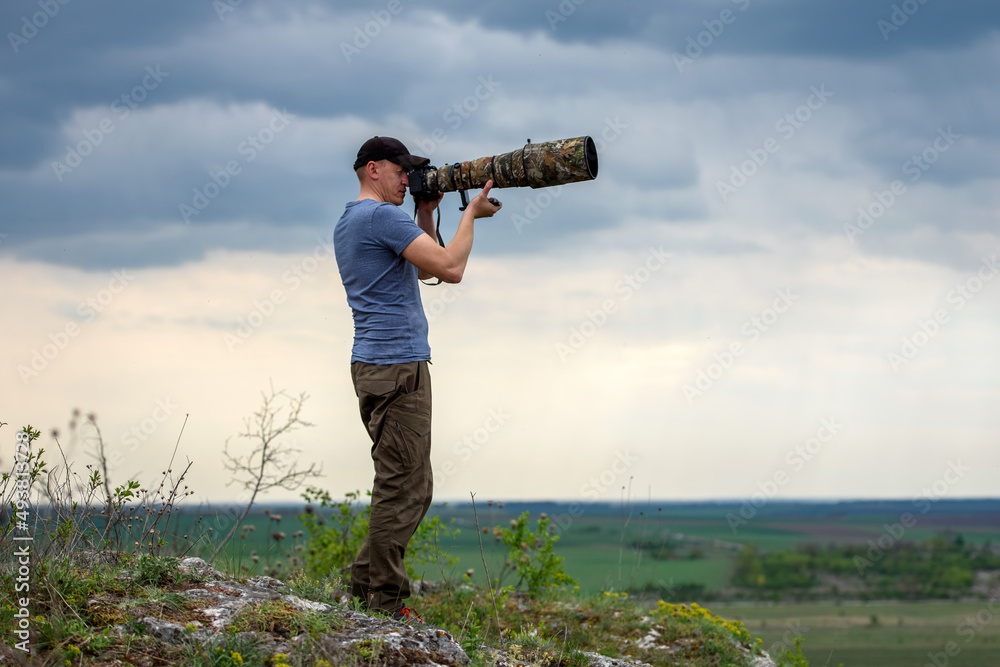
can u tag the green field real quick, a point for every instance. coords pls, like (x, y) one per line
(595, 556)
(852, 634)
(878, 635)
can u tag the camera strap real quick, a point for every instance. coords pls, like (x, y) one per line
(437, 231)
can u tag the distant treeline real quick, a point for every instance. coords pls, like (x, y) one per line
(987, 510)
(937, 568)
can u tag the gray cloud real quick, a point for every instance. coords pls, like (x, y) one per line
(88, 67)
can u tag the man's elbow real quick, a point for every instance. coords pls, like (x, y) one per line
(453, 276)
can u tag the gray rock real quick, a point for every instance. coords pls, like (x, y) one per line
(397, 643)
(200, 567)
(221, 599)
(199, 593)
(420, 587)
(598, 660)
(764, 661)
(270, 583)
(307, 605)
(163, 630)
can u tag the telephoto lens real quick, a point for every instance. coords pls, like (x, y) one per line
(536, 165)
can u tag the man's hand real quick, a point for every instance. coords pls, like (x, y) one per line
(428, 206)
(482, 205)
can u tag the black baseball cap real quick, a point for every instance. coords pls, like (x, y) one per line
(387, 148)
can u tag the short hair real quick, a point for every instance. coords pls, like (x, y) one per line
(362, 170)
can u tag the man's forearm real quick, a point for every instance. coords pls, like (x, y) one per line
(460, 247)
(425, 220)
(448, 263)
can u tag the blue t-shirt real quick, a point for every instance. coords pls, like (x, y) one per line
(382, 288)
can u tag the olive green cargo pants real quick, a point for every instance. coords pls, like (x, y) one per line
(395, 403)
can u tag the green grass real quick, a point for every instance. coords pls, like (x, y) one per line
(903, 635)
(554, 628)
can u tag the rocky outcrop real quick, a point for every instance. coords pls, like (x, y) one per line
(222, 600)
(216, 601)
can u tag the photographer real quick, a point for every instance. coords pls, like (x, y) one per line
(381, 254)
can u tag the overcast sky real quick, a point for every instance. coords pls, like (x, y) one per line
(782, 283)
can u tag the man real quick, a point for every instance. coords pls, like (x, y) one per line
(381, 253)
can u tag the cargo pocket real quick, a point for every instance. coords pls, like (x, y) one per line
(374, 387)
(410, 411)
(412, 420)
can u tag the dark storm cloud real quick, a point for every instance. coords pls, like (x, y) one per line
(98, 58)
(847, 28)
(73, 59)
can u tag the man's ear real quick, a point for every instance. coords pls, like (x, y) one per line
(374, 169)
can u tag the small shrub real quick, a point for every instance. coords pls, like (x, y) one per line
(334, 541)
(792, 657)
(531, 553)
